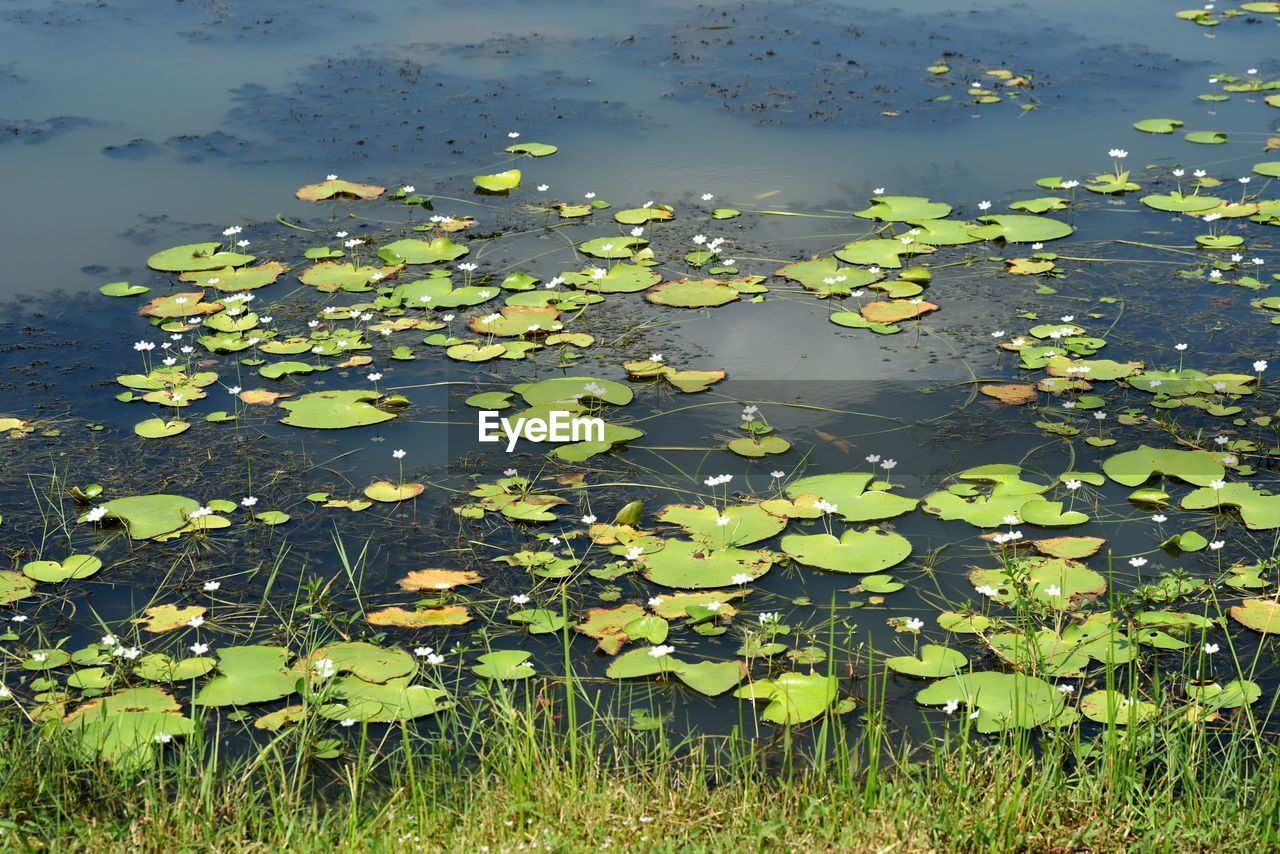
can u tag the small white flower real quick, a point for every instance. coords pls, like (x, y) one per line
(1216, 544)
(984, 205)
(1260, 365)
(542, 188)
(347, 722)
(777, 475)
(1137, 562)
(1210, 648)
(741, 578)
(96, 514)
(915, 624)
(722, 520)
(374, 377)
(661, 650)
(951, 706)
(248, 501)
(1066, 689)
(196, 622)
(1118, 153)
(634, 553)
(986, 590)
(398, 453)
(1073, 484)
(706, 197)
(1217, 484)
(199, 648)
(1159, 518)
(654, 601)
(109, 640)
(162, 738)
(331, 177)
(422, 651)
(1053, 590)
(324, 668)
(588, 520)
(519, 599)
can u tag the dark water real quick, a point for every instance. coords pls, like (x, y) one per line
(130, 127)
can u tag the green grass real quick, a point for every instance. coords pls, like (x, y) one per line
(508, 778)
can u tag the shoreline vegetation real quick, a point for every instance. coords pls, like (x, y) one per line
(507, 775)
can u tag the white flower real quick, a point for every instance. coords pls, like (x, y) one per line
(374, 377)
(1178, 173)
(233, 230)
(914, 624)
(634, 553)
(1210, 648)
(398, 453)
(655, 601)
(768, 618)
(721, 521)
(1118, 153)
(1053, 590)
(661, 650)
(984, 205)
(1073, 484)
(888, 464)
(588, 195)
(741, 578)
(196, 622)
(588, 520)
(1137, 562)
(542, 188)
(162, 738)
(519, 599)
(655, 357)
(96, 514)
(248, 501)
(109, 640)
(1158, 518)
(513, 135)
(706, 197)
(509, 472)
(878, 191)
(408, 188)
(1066, 689)
(777, 475)
(347, 722)
(199, 648)
(1012, 519)
(986, 590)
(1260, 365)
(950, 706)
(714, 606)
(1217, 484)
(422, 651)
(999, 333)
(331, 177)
(637, 231)
(873, 458)
(1217, 544)
(200, 512)
(324, 668)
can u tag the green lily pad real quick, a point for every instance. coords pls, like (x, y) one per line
(53, 572)
(933, 662)
(499, 183)
(1019, 228)
(691, 565)
(1002, 700)
(1134, 468)
(334, 410)
(904, 208)
(793, 698)
(861, 552)
(196, 256)
(1157, 125)
(504, 665)
(248, 675)
(850, 492)
(413, 251)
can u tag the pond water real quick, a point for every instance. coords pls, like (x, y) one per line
(771, 128)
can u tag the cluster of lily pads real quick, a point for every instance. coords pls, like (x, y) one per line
(1039, 621)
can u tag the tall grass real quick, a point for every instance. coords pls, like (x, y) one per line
(503, 773)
